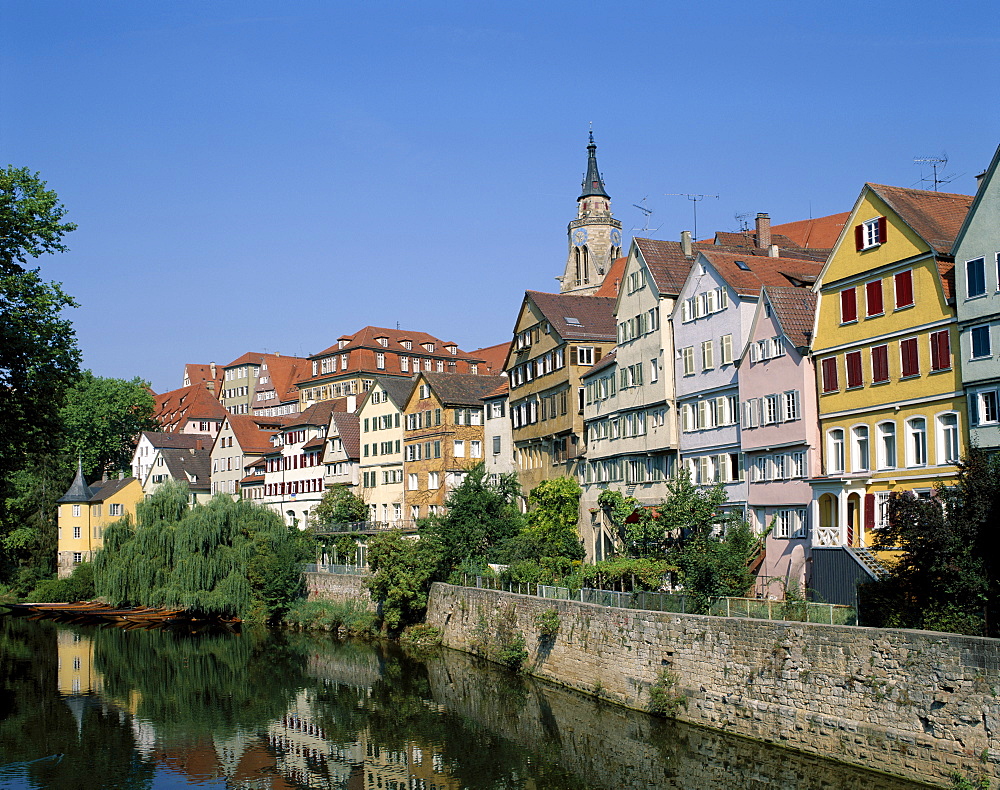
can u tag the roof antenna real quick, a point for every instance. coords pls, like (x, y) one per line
(935, 162)
(694, 205)
(645, 217)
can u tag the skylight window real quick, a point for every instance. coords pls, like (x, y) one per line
(742, 265)
(571, 321)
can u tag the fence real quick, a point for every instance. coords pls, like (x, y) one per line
(756, 608)
(347, 570)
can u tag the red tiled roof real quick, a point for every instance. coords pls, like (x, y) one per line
(763, 270)
(935, 216)
(349, 430)
(283, 372)
(608, 360)
(817, 233)
(593, 317)
(318, 413)
(494, 356)
(187, 403)
(612, 279)
(794, 309)
(666, 263)
(196, 374)
(500, 390)
(183, 440)
(252, 439)
(367, 338)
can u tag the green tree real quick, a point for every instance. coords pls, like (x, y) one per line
(947, 576)
(223, 558)
(403, 569)
(39, 360)
(481, 517)
(552, 523)
(102, 420)
(338, 505)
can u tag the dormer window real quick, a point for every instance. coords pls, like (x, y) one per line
(429, 347)
(342, 342)
(452, 349)
(408, 344)
(382, 341)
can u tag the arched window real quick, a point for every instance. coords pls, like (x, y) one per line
(886, 445)
(916, 441)
(947, 438)
(860, 456)
(835, 451)
(578, 262)
(585, 264)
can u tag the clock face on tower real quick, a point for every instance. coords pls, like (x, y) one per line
(616, 238)
(580, 237)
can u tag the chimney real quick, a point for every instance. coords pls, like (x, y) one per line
(197, 444)
(772, 251)
(763, 231)
(979, 179)
(686, 243)
(352, 403)
(212, 368)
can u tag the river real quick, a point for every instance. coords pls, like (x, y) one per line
(89, 707)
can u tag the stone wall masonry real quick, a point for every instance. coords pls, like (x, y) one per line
(337, 587)
(915, 704)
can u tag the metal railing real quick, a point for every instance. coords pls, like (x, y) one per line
(679, 603)
(336, 528)
(347, 570)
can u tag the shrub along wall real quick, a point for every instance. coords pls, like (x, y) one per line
(916, 704)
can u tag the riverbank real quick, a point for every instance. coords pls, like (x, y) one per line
(920, 705)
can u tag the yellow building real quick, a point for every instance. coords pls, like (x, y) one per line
(84, 512)
(891, 407)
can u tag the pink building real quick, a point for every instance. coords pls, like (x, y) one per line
(779, 433)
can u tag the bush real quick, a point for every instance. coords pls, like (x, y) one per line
(351, 616)
(665, 698)
(420, 637)
(78, 586)
(513, 654)
(547, 623)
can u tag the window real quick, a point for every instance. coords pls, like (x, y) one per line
(798, 464)
(886, 445)
(380, 360)
(654, 371)
(116, 510)
(76, 511)
(585, 355)
(829, 367)
(941, 350)
(987, 407)
(873, 299)
(835, 451)
(413, 481)
(496, 445)
(980, 341)
(433, 480)
(707, 355)
(916, 442)
(903, 285)
(771, 410)
(77, 559)
(975, 277)
(947, 438)
(854, 377)
(848, 306)
(475, 449)
(76, 532)
(460, 448)
(870, 233)
(908, 357)
(881, 509)
(790, 403)
(860, 459)
(687, 354)
(726, 349)
(880, 364)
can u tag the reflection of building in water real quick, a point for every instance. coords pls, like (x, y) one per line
(417, 766)
(75, 662)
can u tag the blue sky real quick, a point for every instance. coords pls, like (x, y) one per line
(268, 176)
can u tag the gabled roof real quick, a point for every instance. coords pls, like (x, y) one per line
(613, 279)
(349, 430)
(748, 274)
(493, 356)
(251, 357)
(200, 374)
(368, 338)
(108, 488)
(461, 389)
(251, 438)
(794, 309)
(284, 372)
(317, 414)
(816, 233)
(934, 216)
(187, 403)
(502, 390)
(589, 318)
(984, 184)
(399, 389)
(666, 263)
(184, 465)
(159, 439)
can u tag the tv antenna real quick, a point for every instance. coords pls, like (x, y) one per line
(694, 205)
(935, 162)
(645, 216)
(744, 220)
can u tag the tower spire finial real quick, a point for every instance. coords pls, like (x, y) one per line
(593, 184)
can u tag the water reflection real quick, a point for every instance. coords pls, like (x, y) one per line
(99, 707)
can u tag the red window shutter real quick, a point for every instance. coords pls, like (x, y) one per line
(880, 364)
(873, 298)
(882, 227)
(854, 378)
(830, 375)
(859, 237)
(848, 306)
(869, 511)
(940, 351)
(908, 354)
(904, 289)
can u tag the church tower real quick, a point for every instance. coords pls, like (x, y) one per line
(595, 236)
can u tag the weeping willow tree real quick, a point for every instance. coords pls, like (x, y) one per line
(224, 558)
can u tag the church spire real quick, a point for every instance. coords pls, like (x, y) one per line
(593, 184)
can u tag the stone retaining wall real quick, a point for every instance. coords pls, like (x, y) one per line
(337, 587)
(916, 704)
